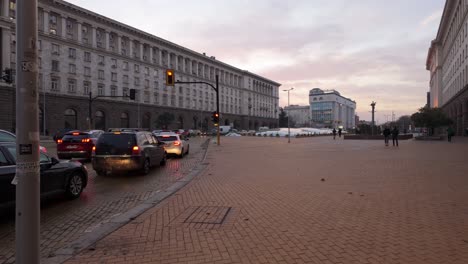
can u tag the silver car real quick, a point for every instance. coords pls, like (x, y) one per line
(174, 143)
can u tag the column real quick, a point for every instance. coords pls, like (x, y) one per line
(63, 30)
(45, 17)
(6, 8)
(106, 39)
(159, 56)
(93, 37)
(119, 44)
(6, 48)
(78, 35)
(176, 62)
(168, 59)
(140, 56)
(184, 64)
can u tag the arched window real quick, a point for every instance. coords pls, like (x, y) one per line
(100, 120)
(70, 119)
(124, 122)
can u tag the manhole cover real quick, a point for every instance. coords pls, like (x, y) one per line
(208, 215)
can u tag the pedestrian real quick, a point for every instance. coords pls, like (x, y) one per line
(450, 133)
(339, 132)
(386, 134)
(395, 133)
(334, 133)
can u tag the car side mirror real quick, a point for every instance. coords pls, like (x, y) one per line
(54, 160)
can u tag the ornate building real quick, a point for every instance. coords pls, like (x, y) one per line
(82, 52)
(447, 61)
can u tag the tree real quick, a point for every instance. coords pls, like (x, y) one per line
(404, 122)
(283, 119)
(431, 118)
(165, 119)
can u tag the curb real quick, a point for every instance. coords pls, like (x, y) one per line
(88, 240)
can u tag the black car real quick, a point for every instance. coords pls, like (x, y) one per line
(127, 151)
(56, 176)
(77, 144)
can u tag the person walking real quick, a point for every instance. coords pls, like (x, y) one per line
(334, 133)
(395, 133)
(386, 134)
(339, 132)
(450, 133)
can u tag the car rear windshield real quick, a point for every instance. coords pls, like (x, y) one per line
(167, 138)
(115, 144)
(74, 138)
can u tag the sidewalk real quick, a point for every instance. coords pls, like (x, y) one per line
(315, 200)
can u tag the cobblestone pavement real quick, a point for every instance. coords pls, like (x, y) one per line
(261, 200)
(63, 221)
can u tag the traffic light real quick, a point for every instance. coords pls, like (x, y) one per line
(8, 76)
(215, 117)
(170, 78)
(132, 94)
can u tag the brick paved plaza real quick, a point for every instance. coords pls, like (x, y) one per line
(261, 200)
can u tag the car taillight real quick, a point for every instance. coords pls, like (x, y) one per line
(93, 151)
(85, 140)
(176, 143)
(136, 150)
(43, 149)
(59, 141)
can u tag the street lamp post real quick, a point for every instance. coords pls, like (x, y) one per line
(289, 129)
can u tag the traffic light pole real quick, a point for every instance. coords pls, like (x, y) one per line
(27, 178)
(91, 99)
(216, 88)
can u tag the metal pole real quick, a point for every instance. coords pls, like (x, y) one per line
(27, 131)
(217, 107)
(289, 130)
(90, 122)
(44, 113)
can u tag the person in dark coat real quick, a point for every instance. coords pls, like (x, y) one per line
(450, 133)
(386, 134)
(395, 133)
(339, 132)
(334, 133)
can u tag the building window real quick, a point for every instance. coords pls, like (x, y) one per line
(156, 98)
(114, 76)
(72, 68)
(146, 83)
(101, 60)
(86, 86)
(114, 63)
(39, 62)
(137, 81)
(72, 53)
(113, 90)
(87, 71)
(125, 93)
(125, 65)
(55, 84)
(101, 89)
(156, 73)
(71, 85)
(146, 71)
(137, 68)
(147, 97)
(55, 66)
(40, 82)
(156, 85)
(87, 57)
(125, 79)
(39, 44)
(101, 75)
(55, 49)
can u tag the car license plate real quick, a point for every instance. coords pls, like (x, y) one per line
(72, 147)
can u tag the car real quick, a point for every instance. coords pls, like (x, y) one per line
(59, 134)
(77, 144)
(127, 151)
(6, 136)
(175, 144)
(56, 176)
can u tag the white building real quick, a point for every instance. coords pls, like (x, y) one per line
(82, 52)
(447, 61)
(300, 115)
(330, 109)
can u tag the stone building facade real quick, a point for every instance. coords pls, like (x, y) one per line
(447, 62)
(299, 114)
(81, 52)
(330, 109)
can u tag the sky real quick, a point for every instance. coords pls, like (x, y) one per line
(368, 50)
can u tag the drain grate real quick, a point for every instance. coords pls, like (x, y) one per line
(208, 215)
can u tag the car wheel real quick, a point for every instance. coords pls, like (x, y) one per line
(164, 159)
(75, 185)
(181, 153)
(146, 167)
(188, 149)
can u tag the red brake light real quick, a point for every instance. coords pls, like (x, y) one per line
(93, 151)
(136, 150)
(59, 141)
(176, 143)
(76, 133)
(165, 136)
(86, 140)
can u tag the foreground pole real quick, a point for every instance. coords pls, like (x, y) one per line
(27, 130)
(217, 108)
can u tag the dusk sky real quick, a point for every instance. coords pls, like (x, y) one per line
(368, 50)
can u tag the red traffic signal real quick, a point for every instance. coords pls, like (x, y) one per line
(170, 78)
(215, 117)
